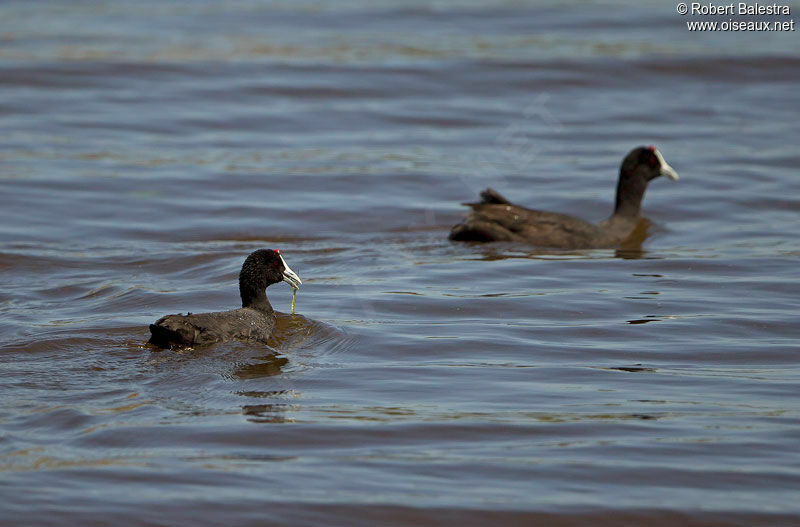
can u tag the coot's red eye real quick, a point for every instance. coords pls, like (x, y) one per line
(653, 161)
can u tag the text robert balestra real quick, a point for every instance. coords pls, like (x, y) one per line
(741, 8)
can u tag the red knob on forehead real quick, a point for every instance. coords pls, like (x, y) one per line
(651, 148)
(278, 251)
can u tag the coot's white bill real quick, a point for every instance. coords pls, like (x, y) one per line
(289, 276)
(666, 170)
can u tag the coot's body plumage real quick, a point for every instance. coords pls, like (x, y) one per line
(495, 218)
(253, 321)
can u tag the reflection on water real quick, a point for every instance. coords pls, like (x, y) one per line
(644, 320)
(264, 366)
(631, 247)
(633, 369)
(268, 413)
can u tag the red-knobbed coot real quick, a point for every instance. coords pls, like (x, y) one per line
(255, 319)
(495, 218)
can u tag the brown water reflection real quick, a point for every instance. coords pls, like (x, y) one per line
(267, 366)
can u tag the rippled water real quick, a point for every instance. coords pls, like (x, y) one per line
(148, 147)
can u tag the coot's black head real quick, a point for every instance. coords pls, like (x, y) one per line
(263, 268)
(647, 163)
(639, 167)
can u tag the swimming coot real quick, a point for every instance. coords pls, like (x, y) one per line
(253, 321)
(495, 218)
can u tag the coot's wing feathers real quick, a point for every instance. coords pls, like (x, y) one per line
(496, 219)
(561, 231)
(490, 195)
(477, 228)
(208, 328)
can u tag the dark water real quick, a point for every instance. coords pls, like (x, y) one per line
(147, 147)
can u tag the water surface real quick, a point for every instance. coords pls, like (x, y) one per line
(148, 147)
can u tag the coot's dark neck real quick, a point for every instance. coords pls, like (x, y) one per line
(255, 297)
(630, 191)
